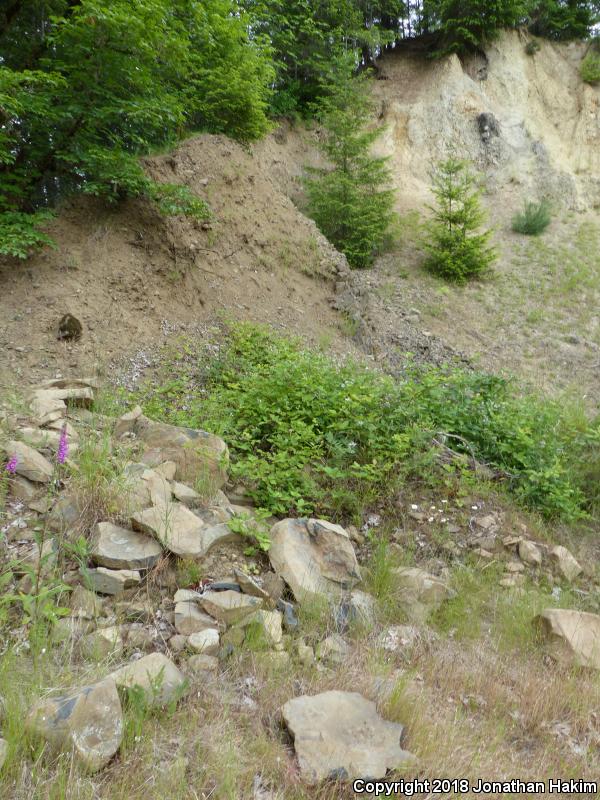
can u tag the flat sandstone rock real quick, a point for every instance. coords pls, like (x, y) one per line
(119, 548)
(340, 735)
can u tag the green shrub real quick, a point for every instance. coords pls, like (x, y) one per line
(590, 67)
(20, 233)
(456, 251)
(309, 435)
(532, 47)
(534, 219)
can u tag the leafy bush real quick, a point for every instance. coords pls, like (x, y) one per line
(455, 250)
(310, 435)
(533, 220)
(19, 233)
(590, 67)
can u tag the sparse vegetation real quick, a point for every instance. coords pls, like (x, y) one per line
(532, 47)
(534, 219)
(590, 66)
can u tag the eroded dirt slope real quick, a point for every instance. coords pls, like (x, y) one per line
(130, 275)
(543, 136)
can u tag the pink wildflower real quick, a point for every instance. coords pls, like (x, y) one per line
(63, 446)
(11, 466)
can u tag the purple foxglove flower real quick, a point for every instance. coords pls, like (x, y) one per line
(11, 466)
(63, 446)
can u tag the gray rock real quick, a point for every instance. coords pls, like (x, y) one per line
(111, 581)
(529, 553)
(234, 637)
(565, 562)
(201, 457)
(357, 607)
(202, 664)
(229, 607)
(126, 423)
(419, 592)
(249, 586)
(156, 675)
(175, 527)
(573, 637)
(80, 395)
(178, 643)
(314, 557)
(102, 643)
(214, 535)
(120, 548)
(85, 604)
(401, 637)
(276, 660)
(138, 638)
(340, 735)
(3, 752)
(70, 629)
(225, 586)
(23, 489)
(30, 464)
(88, 723)
(190, 619)
(60, 424)
(274, 586)
(45, 439)
(65, 514)
(333, 649)
(166, 470)
(186, 495)
(145, 488)
(266, 626)
(290, 619)
(187, 596)
(137, 611)
(206, 641)
(47, 407)
(306, 655)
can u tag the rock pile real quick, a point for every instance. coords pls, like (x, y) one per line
(171, 535)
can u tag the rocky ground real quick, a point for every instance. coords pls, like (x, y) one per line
(307, 665)
(450, 637)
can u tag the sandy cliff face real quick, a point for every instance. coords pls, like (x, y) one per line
(547, 140)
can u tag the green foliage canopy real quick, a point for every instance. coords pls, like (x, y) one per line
(305, 33)
(463, 25)
(87, 87)
(563, 20)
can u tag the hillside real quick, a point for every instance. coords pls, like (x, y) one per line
(131, 276)
(537, 316)
(270, 525)
(543, 136)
